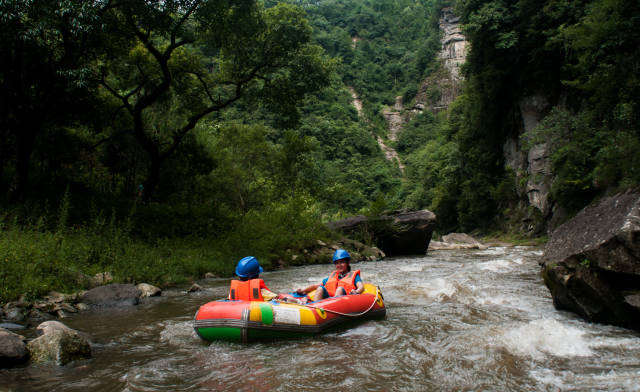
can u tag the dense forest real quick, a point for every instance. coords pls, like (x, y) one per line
(159, 140)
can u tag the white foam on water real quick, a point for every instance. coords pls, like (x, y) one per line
(613, 342)
(496, 250)
(440, 289)
(178, 333)
(411, 268)
(493, 300)
(610, 380)
(548, 377)
(540, 338)
(497, 265)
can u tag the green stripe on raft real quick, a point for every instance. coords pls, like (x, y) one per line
(223, 333)
(267, 313)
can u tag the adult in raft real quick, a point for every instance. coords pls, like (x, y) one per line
(340, 282)
(249, 287)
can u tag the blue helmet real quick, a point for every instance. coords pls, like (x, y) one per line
(341, 254)
(248, 267)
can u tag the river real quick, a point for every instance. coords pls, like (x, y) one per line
(456, 320)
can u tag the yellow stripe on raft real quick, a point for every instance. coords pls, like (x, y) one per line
(306, 314)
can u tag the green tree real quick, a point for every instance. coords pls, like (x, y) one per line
(188, 59)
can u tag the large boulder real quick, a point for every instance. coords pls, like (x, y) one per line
(13, 350)
(400, 232)
(112, 295)
(59, 344)
(591, 264)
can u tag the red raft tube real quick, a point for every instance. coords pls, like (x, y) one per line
(245, 321)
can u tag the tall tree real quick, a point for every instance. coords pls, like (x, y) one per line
(188, 59)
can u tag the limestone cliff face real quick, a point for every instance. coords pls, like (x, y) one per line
(454, 44)
(535, 165)
(438, 91)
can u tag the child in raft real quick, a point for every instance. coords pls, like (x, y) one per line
(342, 281)
(249, 287)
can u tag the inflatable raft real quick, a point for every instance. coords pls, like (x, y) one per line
(246, 321)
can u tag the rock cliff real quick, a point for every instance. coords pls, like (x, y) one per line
(438, 91)
(591, 264)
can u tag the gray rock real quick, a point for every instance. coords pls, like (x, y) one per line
(591, 264)
(194, 288)
(59, 344)
(50, 327)
(11, 326)
(147, 290)
(400, 232)
(14, 314)
(112, 295)
(13, 350)
(38, 315)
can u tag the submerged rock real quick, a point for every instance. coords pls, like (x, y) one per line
(591, 264)
(13, 350)
(59, 344)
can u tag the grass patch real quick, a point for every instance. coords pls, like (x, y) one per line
(35, 259)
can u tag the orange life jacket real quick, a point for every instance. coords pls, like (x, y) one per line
(348, 282)
(248, 290)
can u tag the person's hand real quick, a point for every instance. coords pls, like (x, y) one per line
(354, 291)
(300, 291)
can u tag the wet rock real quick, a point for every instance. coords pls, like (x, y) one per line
(81, 306)
(591, 264)
(455, 241)
(147, 290)
(194, 288)
(11, 326)
(14, 314)
(400, 232)
(55, 297)
(38, 315)
(112, 295)
(50, 327)
(59, 344)
(210, 275)
(13, 350)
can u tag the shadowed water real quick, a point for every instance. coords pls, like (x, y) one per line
(456, 320)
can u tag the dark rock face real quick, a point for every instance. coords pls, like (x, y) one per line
(400, 232)
(13, 350)
(591, 264)
(112, 295)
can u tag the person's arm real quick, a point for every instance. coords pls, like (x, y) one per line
(359, 288)
(267, 294)
(307, 290)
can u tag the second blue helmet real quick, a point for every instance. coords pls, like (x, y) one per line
(341, 254)
(248, 267)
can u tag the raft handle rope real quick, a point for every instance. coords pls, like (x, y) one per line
(375, 299)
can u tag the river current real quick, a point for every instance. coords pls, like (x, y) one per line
(475, 320)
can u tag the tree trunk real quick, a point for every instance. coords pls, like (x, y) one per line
(153, 177)
(26, 140)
